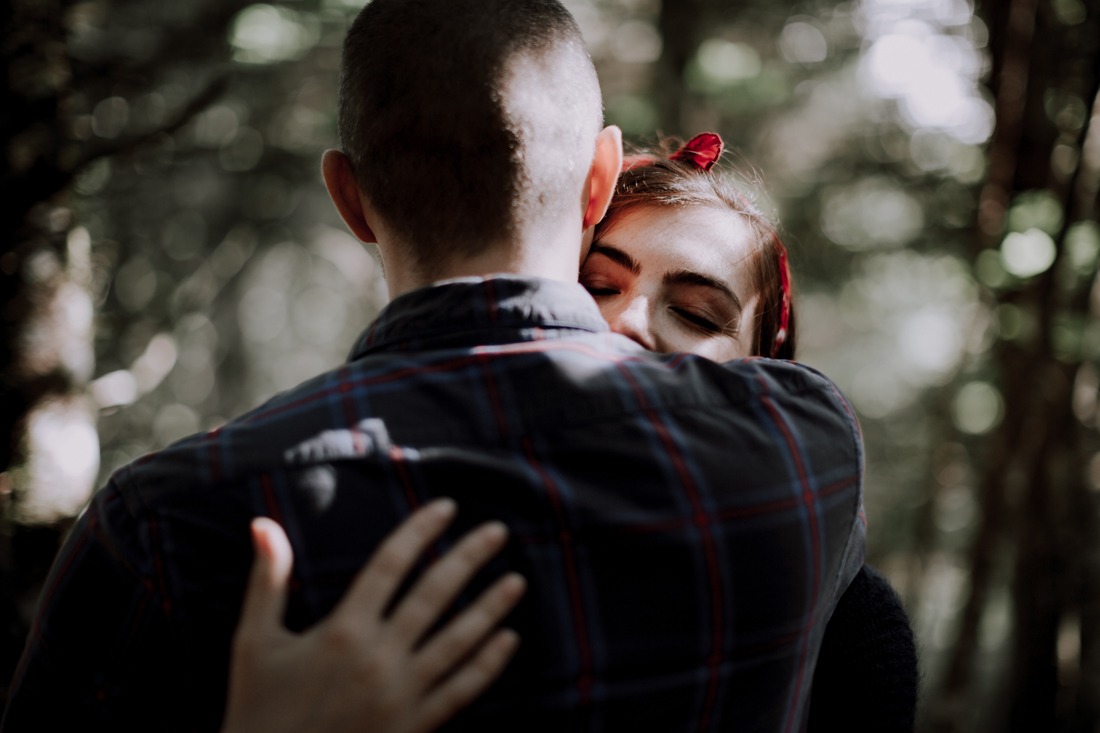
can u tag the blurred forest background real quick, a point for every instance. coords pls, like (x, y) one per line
(169, 258)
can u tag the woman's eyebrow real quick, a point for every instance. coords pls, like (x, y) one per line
(688, 277)
(616, 255)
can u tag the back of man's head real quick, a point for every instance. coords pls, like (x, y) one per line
(467, 121)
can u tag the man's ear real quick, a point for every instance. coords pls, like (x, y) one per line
(344, 192)
(603, 174)
(586, 244)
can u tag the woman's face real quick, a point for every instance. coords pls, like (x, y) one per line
(676, 279)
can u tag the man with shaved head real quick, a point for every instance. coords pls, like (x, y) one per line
(665, 510)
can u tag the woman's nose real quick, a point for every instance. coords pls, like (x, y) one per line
(632, 321)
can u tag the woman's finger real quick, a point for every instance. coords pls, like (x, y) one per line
(265, 596)
(431, 595)
(453, 643)
(375, 584)
(468, 681)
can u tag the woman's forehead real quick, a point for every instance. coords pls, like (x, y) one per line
(714, 240)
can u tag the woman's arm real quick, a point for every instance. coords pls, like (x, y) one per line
(867, 677)
(360, 669)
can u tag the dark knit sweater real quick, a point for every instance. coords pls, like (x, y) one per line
(866, 675)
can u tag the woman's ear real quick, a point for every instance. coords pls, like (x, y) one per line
(344, 192)
(604, 173)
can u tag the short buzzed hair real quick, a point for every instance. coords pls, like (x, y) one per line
(463, 119)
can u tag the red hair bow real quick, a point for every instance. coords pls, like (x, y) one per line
(702, 151)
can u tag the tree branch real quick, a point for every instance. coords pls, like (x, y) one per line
(119, 147)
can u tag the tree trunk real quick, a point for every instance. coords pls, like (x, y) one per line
(679, 24)
(1028, 483)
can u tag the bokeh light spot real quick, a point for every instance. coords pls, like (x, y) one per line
(135, 283)
(1070, 12)
(263, 34)
(115, 389)
(216, 125)
(635, 114)
(802, 42)
(184, 235)
(319, 315)
(726, 61)
(243, 151)
(1083, 246)
(989, 270)
(930, 339)
(1026, 254)
(64, 459)
(174, 422)
(636, 42)
(110, 117)
(262, 313)
(873, 213)
(978, 408)
(955, 509)
(1035, 210)
(155, 362)
(1015, 323)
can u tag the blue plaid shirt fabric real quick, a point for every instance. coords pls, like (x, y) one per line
(686, 526)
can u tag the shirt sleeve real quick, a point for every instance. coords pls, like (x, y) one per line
(100, 627)
(855, 547)
(819, 426)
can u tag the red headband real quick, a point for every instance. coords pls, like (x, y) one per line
(785, 297)
(703, 151)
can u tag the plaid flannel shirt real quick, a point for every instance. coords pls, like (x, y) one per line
(686, 527)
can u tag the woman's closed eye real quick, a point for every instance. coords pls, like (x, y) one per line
(705, 321)
(598, 287)
(696, 320)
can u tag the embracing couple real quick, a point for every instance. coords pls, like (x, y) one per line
(666, 525)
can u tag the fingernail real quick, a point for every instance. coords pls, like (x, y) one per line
(443, 507)
(496, 530)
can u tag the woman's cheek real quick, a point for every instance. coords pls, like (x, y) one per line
(671, 336)
(716, 348)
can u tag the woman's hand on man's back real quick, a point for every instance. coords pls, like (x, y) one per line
(360, 669)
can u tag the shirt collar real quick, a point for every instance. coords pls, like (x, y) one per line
(480, 310)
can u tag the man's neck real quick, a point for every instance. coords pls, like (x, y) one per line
(548, 260)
